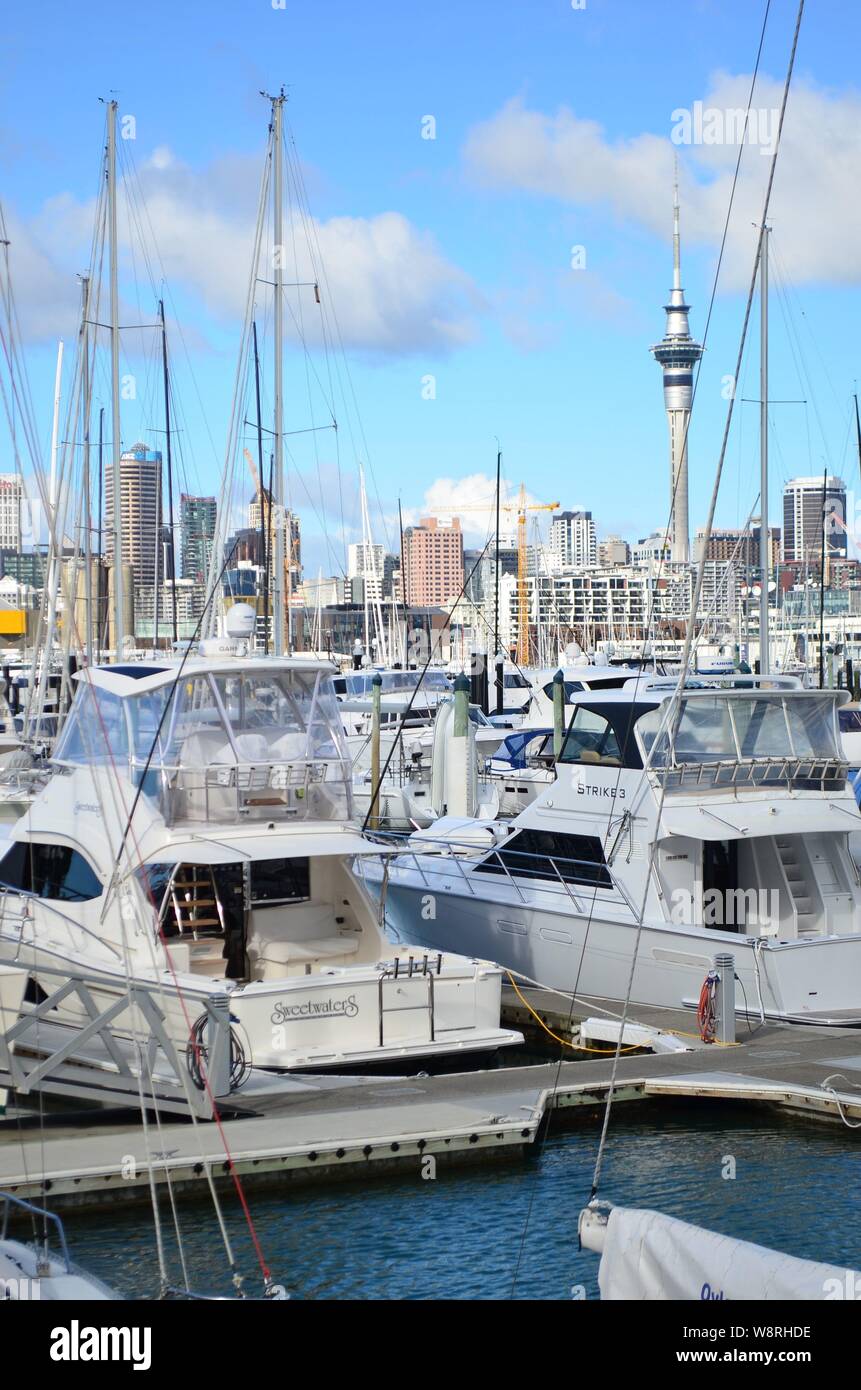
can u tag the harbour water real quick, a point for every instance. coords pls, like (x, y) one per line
(511, 1230)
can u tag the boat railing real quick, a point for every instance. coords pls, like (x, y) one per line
(289, 789)
(16, 919)
(38, 1216)
(802, 774)
(467, 858)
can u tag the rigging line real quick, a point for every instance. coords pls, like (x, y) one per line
(677, 697)
(698, 586)
(240, 376)
(793, 292)
(319, 516)
(716, 277)
(167, 292)
(797, 351)
(114, 883)
(375, 791)
(323, 277)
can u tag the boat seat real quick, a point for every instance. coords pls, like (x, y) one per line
(295, 935)
(291, 746)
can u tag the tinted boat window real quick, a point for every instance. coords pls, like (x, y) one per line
(49, 871)
(549, 854)
(590, 739)
(280, 880)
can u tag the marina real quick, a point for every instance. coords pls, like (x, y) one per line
(412, 888)
(315, 1129)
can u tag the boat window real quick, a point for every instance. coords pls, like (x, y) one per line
(150, 724)
(550, 854)
(849, 720)
(570, 688)
(280, 880)
(95, 730)
(49, 871)
(717, 728)
(590, 739)
(513, 680)
(154, 880)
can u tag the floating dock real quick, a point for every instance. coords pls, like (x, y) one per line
(301, 1129)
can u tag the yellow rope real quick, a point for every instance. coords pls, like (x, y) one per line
(603, 1051)
(575, 1047)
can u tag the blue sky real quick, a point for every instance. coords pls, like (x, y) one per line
(552, 131)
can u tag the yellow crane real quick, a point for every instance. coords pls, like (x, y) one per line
(521, 507)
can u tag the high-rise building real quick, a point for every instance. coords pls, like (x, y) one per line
(293, 547)
(433, 560)
(814, 508)
(737, 546)
(572, 538)
(140, 512)
(651, 550)
(11, 499)
(366, 565)
(677, 354)
(612, 550)
(197, 521)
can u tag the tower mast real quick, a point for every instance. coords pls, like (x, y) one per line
(677, 353)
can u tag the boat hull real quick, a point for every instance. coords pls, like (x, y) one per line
(812, 980)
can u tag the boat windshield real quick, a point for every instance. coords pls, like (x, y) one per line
(742, 728)
(96, 730)
(251, 716)
(220, 744)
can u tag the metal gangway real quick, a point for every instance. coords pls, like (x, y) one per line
(114, 1063)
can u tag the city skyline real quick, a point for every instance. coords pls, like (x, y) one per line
(509, 287)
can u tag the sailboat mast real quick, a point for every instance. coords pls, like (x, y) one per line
(118, 624)
(496, 560)
(99, 609)
(265, 524)
(763, 457)
(88, 538)
(171, 541)
(278, 267)
(822, 586)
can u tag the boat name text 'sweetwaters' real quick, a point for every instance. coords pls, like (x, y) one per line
(323, 1008)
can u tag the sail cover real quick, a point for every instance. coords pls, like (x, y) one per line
(645, 1255)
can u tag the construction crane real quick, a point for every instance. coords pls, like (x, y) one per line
(521, 507)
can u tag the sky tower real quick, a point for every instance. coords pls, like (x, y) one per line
(677, 352)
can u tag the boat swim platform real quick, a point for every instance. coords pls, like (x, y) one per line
(311, 1129)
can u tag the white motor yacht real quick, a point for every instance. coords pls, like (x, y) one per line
(196, 832)
(678, 825)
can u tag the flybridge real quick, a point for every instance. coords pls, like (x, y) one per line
(746, 738)
(220, 740)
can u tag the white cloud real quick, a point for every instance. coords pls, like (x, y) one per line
(815, 208)
(473, 499)
(388, 283)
